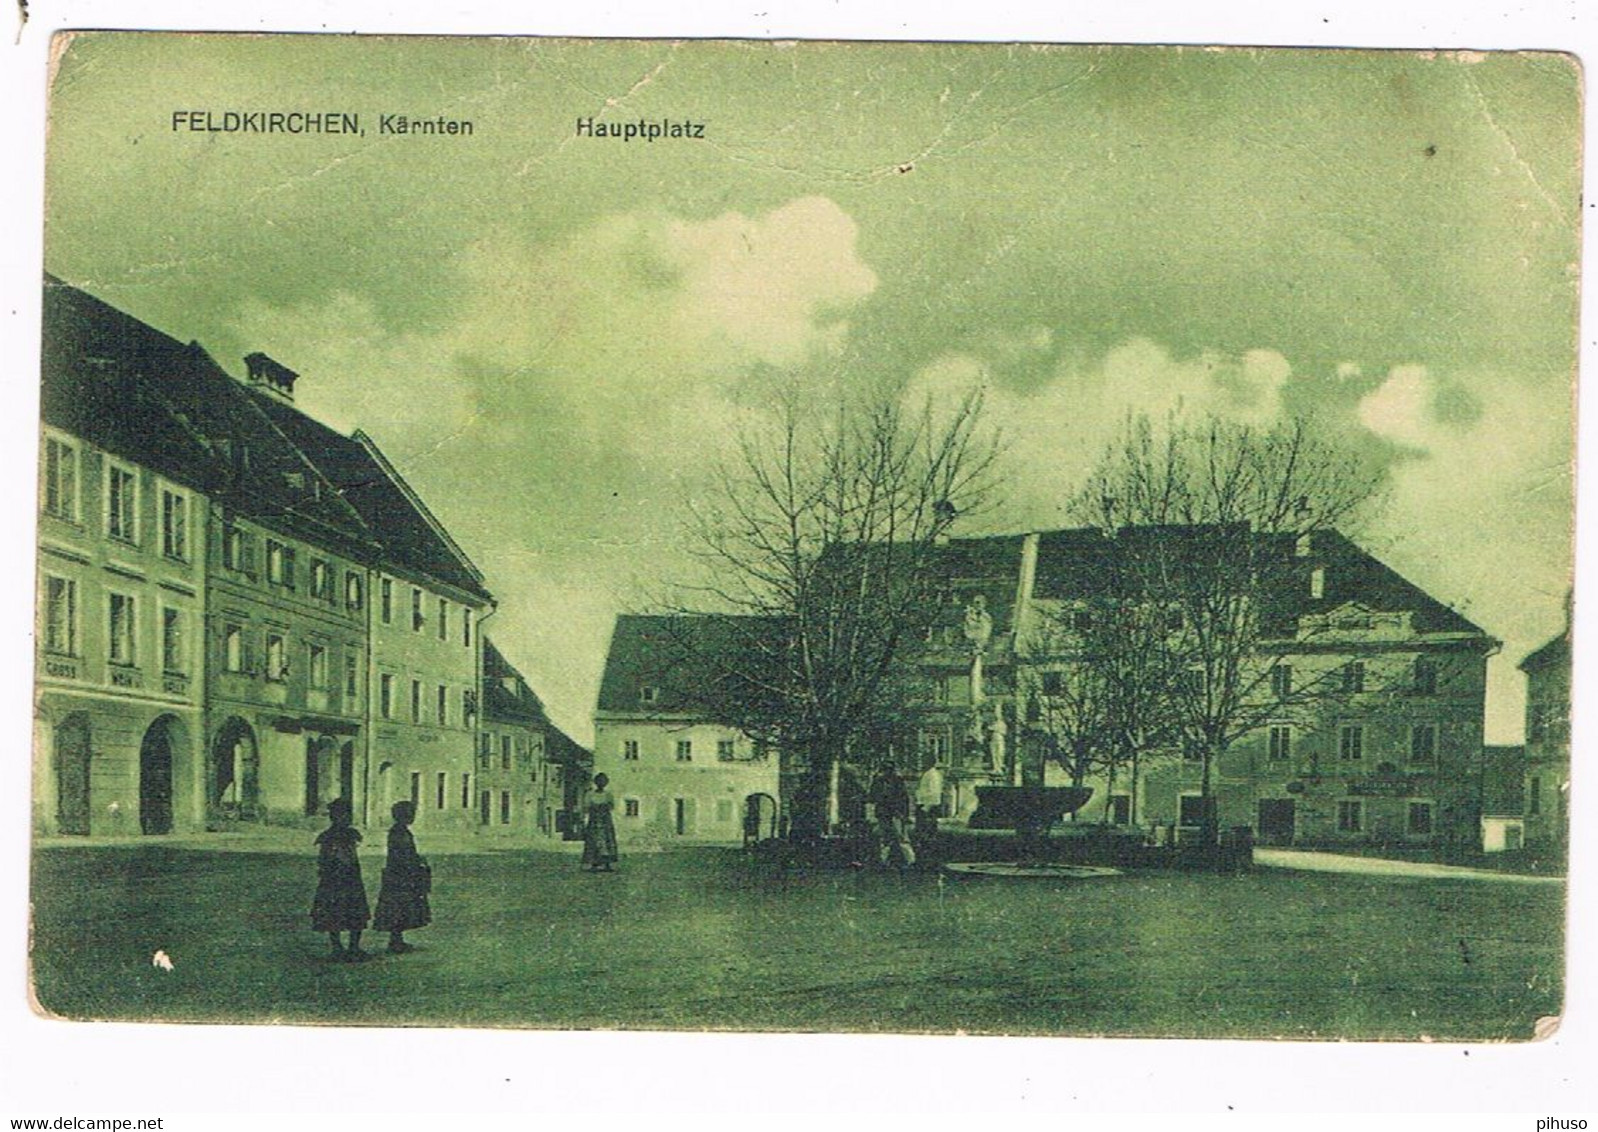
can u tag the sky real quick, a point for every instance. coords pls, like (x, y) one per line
(554, 336)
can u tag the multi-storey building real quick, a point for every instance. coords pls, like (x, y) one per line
(1366, 695)
(339, 637)
(123, 524)
(529, 772)
(1547, 781)
(423, 601)
(677, 776)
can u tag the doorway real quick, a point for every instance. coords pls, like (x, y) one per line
(72, 774)
(155, 777)
(1276, 821)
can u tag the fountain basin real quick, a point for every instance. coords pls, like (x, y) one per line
(1026, 809)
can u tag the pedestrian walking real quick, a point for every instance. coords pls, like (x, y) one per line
(599, 830)
(929, 803)
(890, 800)
(407, 880)
(340, 901)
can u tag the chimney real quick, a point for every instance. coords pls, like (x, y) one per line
(270, 377)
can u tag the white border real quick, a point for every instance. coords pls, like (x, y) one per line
(53, 1068)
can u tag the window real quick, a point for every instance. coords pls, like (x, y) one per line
(61, 616)
(1425, 676)
(418, 615)
(1420, 817)
(277, 665)
(416, 701)
(443, 706)
(1351, 744)
(466, 627)
(934, 745)
(504, 807)
(174, 524)
(385, 695)
(504, 752)
(279, 564)
(648, 694)
(723, 810)
(1317, 583)
(124, 629)
(724, 750)
(629, 807)
(685, 750)
(416, 789)
(466, 790)
(629, 750)
(1281, 743)
(121, 503)
(233, 648)
(443, 620)
(387, 590)
(1348, 817)
(1120, 809)
(172, 658)
(237, 551)
(1281, 681)
(1534, 796)
(353, 596)
(1354, 676)
(318, 666)
(1190, 810)
(468, 707)
(61, 479)
(352, 674)
(1082, 621)
(1423, 743)
(443, 785)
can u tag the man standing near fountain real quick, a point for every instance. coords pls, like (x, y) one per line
(929, 802)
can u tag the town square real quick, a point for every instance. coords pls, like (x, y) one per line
(965, 539)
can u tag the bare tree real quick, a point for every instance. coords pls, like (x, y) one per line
(827, 525)
(1208, 520)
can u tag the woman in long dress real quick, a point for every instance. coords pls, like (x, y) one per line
(599, 833)
(340, 901)
(407, 879)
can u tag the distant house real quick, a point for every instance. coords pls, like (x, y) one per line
(678, 775)
(1547, 783)
(1503, 778)
(529, 772)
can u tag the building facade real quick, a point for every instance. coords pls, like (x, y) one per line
(243, 613)
(530, 773)
(677, 777)
(1547, 781)
(123, 523)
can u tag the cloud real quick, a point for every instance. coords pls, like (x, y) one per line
(1482, 489)
(1054, 434)
(575, 391)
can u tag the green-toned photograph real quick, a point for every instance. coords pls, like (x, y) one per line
(804, 536)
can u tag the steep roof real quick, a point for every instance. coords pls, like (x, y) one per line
(522, 706)
(375, 490)
(143, 395)
(1556, 651)
(679, 657)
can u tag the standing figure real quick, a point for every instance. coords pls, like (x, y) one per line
(340, 902)
(407, 879)
(599, 833)
(929, 802)
(890, 800)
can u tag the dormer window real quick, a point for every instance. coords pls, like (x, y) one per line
(648, 694)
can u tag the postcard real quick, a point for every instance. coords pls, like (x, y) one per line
(913, 538)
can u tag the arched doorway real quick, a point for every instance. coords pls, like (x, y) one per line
(235, 778)
(71, 755)
(161, 741)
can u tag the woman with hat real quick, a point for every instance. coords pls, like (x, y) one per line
(340, 902)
